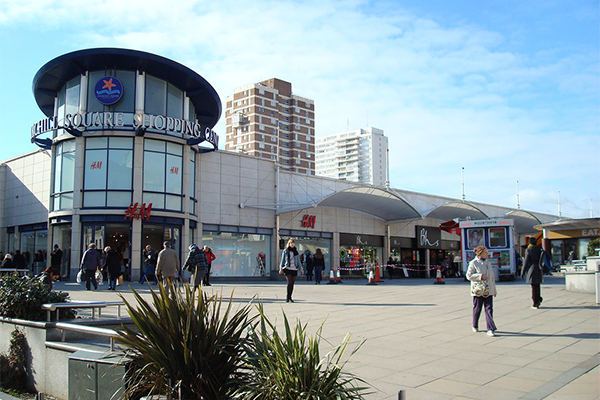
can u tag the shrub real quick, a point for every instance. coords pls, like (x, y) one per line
(290, 367)
(13, 372)
(22, 297)
(184, 345)
(592, 246)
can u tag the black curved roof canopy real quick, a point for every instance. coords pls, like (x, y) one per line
(54, 74)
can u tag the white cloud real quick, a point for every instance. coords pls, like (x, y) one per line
(447, 95)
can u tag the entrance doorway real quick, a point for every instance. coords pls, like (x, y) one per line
(115, 235)
(155, 236)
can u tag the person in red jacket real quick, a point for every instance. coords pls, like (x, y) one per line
(210, 256)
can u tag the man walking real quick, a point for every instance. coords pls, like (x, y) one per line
(56, 259)
(534, 271)
(167, 266)
(197, 264)
(150, 262)
(90, 263)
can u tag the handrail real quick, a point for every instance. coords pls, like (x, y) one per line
(63, 327)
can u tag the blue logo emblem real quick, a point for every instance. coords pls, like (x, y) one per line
(108, 90)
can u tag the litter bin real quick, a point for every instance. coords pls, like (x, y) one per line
(95, 376)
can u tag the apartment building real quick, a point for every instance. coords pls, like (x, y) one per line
(267, 120)
(359, 156)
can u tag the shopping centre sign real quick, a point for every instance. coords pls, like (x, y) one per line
(77, 124)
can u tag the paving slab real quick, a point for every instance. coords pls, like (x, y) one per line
(418, 335)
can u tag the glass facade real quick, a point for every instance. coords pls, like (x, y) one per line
(64, 174)
(163, 175)
(236, 253)
(108, 172)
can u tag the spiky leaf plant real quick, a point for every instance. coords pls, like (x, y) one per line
(183, 344)
(290, 367)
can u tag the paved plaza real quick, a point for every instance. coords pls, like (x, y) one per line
(418, 335)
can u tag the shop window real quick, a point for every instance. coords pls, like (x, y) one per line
(192, 196)
(64, 163)
(108, 172)
(236, 253)
(163, 172)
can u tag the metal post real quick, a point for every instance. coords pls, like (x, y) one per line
(401, 394)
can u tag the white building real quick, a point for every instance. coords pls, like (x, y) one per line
(358, 156)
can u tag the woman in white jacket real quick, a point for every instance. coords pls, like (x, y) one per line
(483, 289)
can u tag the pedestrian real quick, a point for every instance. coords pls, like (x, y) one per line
(308, 261)
(210, 257)
(56, 258)
(483, 289)
(290, 263)
(197, 263)
(150, 265)
(534, 271)
(112, 266)
(19, 260)
(319, 264)
(390, 267)
(48, 276)
(7, 262)
(167, 266)
(90, 263)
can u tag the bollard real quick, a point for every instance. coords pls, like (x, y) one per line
(401, 394)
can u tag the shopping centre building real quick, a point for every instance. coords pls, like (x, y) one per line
(128, 157)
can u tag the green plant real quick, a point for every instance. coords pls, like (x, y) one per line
(183, 344)
(290, 367)
(13, 371)
(592, 246)
(22, 297)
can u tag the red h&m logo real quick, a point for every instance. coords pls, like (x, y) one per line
(134, 212)
(308, 221)
(97, 165)
(174, 170)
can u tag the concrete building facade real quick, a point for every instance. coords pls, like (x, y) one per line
(269, 121)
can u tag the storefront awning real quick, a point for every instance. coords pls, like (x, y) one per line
(524, 220)
(373, 201)
(457, 209)
(571, 224)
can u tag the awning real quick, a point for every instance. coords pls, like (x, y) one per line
(524, 220)
(451, 226)
(457, 209)
(373, 201)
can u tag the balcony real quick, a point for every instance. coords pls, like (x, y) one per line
(238, 120)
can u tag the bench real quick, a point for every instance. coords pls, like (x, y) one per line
(93, 305)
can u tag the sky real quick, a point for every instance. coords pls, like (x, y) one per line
(499, 97)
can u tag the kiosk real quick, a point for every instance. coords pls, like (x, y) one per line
(497, 235)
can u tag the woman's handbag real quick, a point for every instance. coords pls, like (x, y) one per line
(480, 289)
(98, 276)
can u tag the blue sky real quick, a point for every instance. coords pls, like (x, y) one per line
(509, 90)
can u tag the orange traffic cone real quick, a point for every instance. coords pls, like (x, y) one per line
(331, 278)
(438, 276)
(339, 278)
(377, 275)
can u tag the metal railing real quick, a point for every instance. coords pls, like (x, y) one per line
(92, 330)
